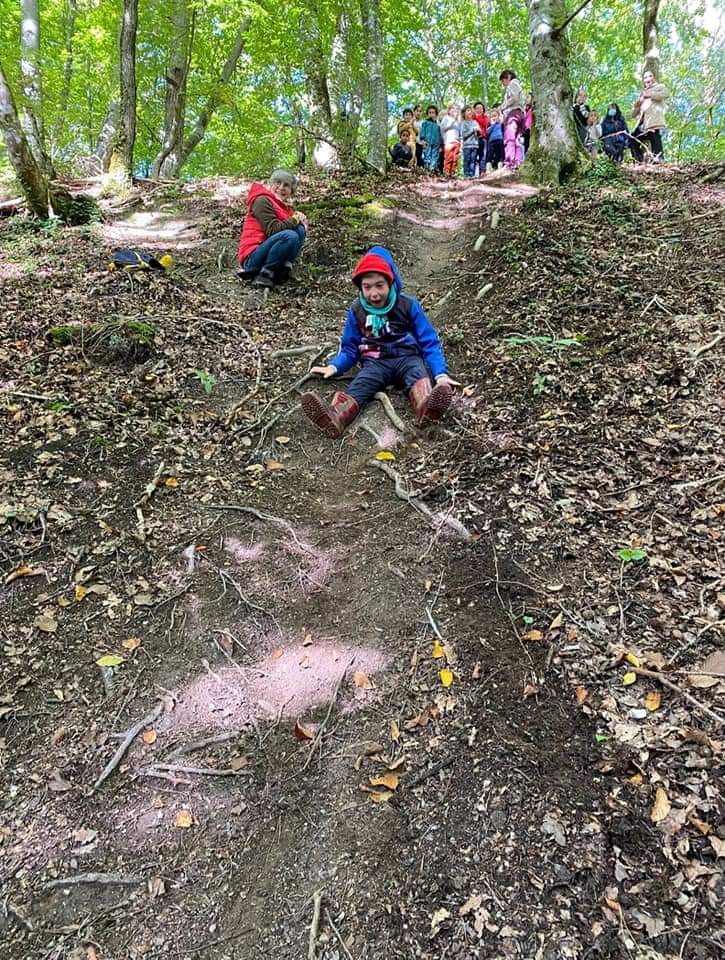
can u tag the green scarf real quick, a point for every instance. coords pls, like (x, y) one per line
(376, 316)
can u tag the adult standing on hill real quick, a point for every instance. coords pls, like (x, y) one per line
(513, 119)
(649, 109)
(273, 231)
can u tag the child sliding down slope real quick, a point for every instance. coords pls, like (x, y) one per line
(389, 335)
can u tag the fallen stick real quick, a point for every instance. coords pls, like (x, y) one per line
(428, 772)
(709, 346)
(694, 484)
(337, 934)
(198, 771)
(655, 675)
(388, 408)
(315, 925)
(151, 487)
(128, 739)
(295, 351)
(201, 744)
(321, 729)
(109, 879)
(403, 494)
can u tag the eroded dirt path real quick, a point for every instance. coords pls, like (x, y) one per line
(278, 607)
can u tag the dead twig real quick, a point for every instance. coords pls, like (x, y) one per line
(195, 745)
(197, 771)
(128, 739)
(388, 408)
(110, 879)
(695, 484)
(315, 925)
(321, 729)
(428, 772)
(295, 351)
(655, 675)
(403, 493)
(337, 934)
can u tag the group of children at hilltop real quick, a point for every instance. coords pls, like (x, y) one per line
(484, 140)
(612, 135)
(436, 141)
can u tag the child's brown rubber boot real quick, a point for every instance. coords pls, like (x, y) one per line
(331, 418)
(429, 403)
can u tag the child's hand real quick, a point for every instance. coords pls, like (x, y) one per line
(327, 371)
(444, 378)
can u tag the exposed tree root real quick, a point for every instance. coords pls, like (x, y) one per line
(655, 675)
(403, 493)
(110, 879)
(128, 739)
(388, 408)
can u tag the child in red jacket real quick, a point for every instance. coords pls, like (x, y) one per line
(389, 335)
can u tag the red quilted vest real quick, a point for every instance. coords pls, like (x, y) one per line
(252, 231)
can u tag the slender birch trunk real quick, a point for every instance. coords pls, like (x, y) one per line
(31, 114)
(650, 44)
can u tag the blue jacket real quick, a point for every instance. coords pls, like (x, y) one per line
(410, 333)
(431, 133)
(618, 127)
(495, 132)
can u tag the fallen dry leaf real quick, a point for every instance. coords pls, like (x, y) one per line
(80, 592)
(361, 680)
(718, 845)
(389, 780)
(438, 917)
(438, 650)
(381, 796)
(700, 825)
(581, 694)
(385, 456)
(238, 762)
(184, 819)
(305, 731)
(109, 660)
(533, 635)
(530, 690)
(446, 677)
(394, 730)
(633, 659)
(629, 678)
(171, 482)
(149, 737)
(653, 700)
(661, 806)
(373, 747)
(282, 440)
(473, 903)
(715, 663)
(132, 643)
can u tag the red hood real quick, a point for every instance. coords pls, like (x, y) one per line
(261, 190)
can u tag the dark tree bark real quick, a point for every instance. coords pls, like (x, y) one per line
(43, 198)
(108, 134)
(378, 95)
(168, 159)
(650, 45)
(555, 151)
(207, 112)
(121, 161)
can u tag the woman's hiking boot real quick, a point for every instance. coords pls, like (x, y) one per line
(331, 418)
(429, 403)
(283, 273)
(264, 279)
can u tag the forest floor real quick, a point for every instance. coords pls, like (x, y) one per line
(481, 718)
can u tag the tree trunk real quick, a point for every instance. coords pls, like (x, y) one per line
(167, 161)
(378, 97)
(121, 160)
(108, 134)
(31, 115)
(213, 101)
(42, 197)
(555, 151)
(71, 15)
(650, 46)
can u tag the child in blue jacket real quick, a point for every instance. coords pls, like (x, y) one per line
(389, 335)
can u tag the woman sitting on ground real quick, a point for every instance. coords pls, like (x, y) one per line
(273, 232)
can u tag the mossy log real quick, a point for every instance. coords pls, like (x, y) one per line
(337, 203)
(116, 338)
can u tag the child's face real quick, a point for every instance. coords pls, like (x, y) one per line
(468, 113)
(478, 109)
(407, 114)
(375, 287)
(404, 136)
(581, 97)
(432, 113)
(418, 113)
(452, 110)
(648, 79)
